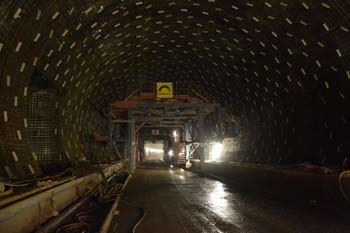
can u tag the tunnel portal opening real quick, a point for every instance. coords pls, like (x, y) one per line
(154, 151)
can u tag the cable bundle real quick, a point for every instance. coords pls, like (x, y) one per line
(84, 221)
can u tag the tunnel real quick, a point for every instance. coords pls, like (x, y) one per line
(174, 116)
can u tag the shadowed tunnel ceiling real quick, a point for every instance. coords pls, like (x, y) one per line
(280, 68)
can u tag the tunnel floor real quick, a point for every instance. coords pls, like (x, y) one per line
(175, 200)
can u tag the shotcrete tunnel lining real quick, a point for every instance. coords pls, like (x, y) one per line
(280, 67)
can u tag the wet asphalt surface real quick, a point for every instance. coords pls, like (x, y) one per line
(179, 201)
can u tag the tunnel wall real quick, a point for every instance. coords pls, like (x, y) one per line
(33, 39)
(281, 67)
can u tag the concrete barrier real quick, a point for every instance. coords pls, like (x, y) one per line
(25, 215)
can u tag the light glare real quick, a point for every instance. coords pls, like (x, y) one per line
(216, 151)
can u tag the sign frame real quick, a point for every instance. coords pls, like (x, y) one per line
(165, 90)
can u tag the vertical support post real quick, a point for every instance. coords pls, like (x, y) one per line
(117, 131)
(111, 131)
(110, 142)
(219, 122)
(187, 139)
(110, 126)
(131, 141)
(201, 137)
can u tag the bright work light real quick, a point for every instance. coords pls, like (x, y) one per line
(216, 151)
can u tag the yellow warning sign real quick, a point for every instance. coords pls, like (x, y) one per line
(164, 90)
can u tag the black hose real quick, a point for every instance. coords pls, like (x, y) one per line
(142, 217)
(84, 219)
(143, 213)
(60, 219)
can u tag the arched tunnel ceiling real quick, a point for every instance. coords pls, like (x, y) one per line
(281, 67)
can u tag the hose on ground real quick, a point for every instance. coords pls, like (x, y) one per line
(140, 220)
(108, 192)
(341, 185)
(83, 223)
(143, 212)
(84, 220)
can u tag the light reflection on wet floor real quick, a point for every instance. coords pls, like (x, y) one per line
(182, 201)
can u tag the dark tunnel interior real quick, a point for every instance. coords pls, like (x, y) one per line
(280, 69)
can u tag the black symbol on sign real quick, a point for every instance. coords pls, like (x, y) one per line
(164, 87)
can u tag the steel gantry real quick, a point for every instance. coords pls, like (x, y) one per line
(162, 115)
